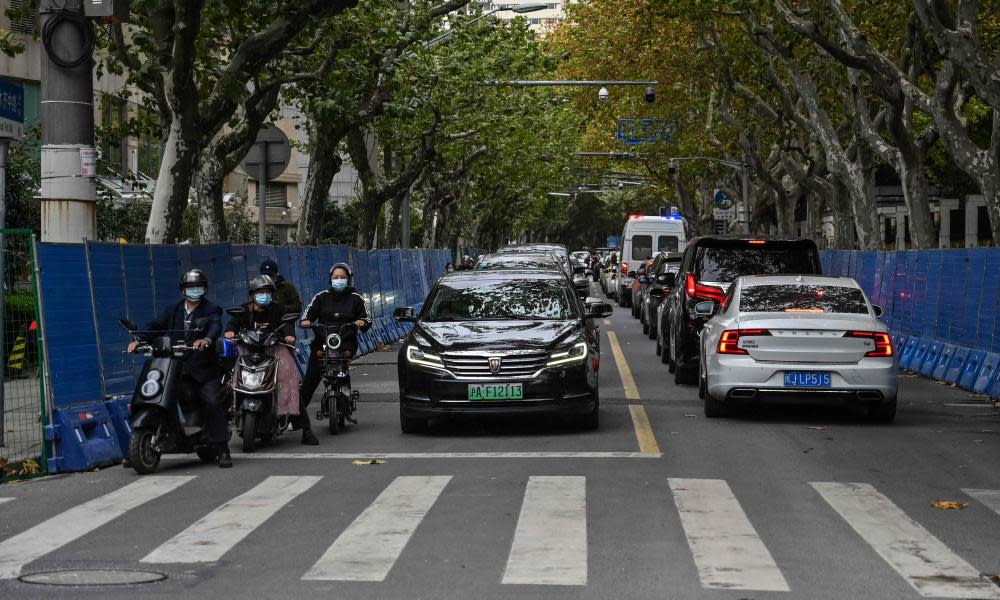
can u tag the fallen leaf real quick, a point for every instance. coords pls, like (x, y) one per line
(373, 461)
(949, 505)
(816, 427)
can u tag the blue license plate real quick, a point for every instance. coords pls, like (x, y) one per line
(807, 379)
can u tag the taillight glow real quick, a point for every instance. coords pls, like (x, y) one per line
(757, 242)
(730, 340)
(883, 343)
(624, 268)
(708, 292)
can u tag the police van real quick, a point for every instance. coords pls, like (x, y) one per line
(642, 238)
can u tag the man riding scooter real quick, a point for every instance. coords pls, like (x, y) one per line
(200, 368)
(340, 304)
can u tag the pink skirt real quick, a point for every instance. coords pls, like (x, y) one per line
(288, 379)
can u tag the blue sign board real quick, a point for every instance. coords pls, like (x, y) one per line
(634, 132)
(11, 109)
(614, 241)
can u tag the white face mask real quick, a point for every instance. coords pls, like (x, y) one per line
(338, 284)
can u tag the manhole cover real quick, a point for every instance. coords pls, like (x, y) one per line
(81, 577)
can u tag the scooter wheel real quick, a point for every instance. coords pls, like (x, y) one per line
(142, 455)
(248, 431)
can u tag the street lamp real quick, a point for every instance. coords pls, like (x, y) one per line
(519, 9)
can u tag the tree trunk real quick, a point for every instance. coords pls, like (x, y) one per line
(208, 177)
(170, 197)
(324, 164)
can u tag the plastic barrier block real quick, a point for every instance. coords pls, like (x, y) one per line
(84, 437)
(943, 361)
(932, 352)
(971, 368)
(955, 365)
(987, 373)
(121, 419)
(909, 354)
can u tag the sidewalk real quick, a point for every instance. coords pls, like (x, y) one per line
(22, 430)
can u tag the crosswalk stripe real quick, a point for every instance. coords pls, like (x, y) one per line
(2, 500)
(215, 534)
(550, 542)
(991, 498)
(25, 547)
(919, 557)
(727, 550)
(368, 548)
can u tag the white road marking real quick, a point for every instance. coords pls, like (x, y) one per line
(368, 548)
(919, 557)
(991, 498)
(2, 500)
(215, 534)
(550, 542)
(727, 550)
(404, 455)
(25, 547)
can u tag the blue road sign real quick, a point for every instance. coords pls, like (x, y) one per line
(11, 109)
(634, 132)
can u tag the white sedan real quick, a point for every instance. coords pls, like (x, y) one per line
(805, 337)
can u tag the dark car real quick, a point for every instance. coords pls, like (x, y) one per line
(519, 261)
(500, 342)
(577, 273)
(639, 283)
(655, 289)
(708, 268)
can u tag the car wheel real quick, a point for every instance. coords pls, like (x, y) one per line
(652, 331)
(659, 348)
(702, 387)
(714, 409)
(645, 328)
(621, 299)
(591, 420)
(683, 374)
(669, 351)
(883, 413)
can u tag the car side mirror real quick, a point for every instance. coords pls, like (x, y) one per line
(599, 310)
(236, 311)
(404, 314)
(705, 309)
(129, 326)
(878, 311)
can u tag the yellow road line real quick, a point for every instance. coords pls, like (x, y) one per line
(631, 392)
(607, 321)
(643, 431)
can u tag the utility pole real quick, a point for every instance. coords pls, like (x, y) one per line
(69, 160)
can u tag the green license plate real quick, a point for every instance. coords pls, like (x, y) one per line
(496, 391)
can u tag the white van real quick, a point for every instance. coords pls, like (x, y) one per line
(642, 238)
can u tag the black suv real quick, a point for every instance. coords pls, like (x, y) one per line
(710, 265)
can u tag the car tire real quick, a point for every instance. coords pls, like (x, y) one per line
(409, 424)
(714, 408)
(882, 413)
(652, 331)
(702, 387)
(592, 420)
(668, 351)
(645, 329)
(659, 348)
(621, 299)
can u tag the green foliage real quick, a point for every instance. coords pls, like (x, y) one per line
(23, 181)
(341, 225)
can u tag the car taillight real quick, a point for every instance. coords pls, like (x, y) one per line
(730, 340)
(624, 268)
(708, 292)
(883, 343)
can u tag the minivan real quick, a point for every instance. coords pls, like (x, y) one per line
(642, 238)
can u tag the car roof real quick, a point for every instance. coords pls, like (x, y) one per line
(521, 256)
(757, 280)
(508, 275)
(736, 237)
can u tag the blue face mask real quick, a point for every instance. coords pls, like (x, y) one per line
(194, 294)
(338, 284)
(262, 299)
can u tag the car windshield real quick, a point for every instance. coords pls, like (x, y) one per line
(802, 298)
(642, 247)
(516, 299)
(515, 261)
(667, 243)
(726, 263)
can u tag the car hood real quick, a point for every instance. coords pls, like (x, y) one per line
(496, 335)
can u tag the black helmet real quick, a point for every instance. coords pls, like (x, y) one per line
(194, 277)
(269, 267)
(345, 267)
(261, 282)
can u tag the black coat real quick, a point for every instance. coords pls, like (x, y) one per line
(333, 309)
(269, 317)
(201, 365)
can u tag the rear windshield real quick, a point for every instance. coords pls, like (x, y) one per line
(642, 247)
(802, 298)
(726, 263)
(667, 243)
(515, 299)
(500, 262)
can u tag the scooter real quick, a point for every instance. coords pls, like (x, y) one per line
(339, 401)
(254, 383)
(165, 418)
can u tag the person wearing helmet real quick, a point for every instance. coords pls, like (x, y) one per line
(285, 293)
(265, 312)
(333, 307)
(199, 368)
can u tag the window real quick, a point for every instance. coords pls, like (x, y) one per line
(642, 247)
(726, 263)
(802, 298)
(24, 16)
(667, 243)
(277, 195)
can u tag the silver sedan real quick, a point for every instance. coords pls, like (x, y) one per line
(808, 337)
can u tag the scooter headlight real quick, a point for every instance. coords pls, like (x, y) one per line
(333, 341)
(154, 375)
(253, 379)
(150, 388)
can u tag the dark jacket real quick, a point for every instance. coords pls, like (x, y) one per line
(269, 317)
(333, 309)
(286, 295)
(201, 365)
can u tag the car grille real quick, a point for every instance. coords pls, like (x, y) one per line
(511, 365)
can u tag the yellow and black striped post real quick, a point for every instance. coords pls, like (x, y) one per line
(15, 361)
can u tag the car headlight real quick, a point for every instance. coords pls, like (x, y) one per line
(578, 353)
(253, 379)
(417, 356)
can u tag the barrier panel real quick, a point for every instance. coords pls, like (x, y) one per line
(87, 288)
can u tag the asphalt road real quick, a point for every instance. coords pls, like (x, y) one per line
(660, 502)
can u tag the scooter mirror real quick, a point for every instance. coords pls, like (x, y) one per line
(129, 326)
(236, 311)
